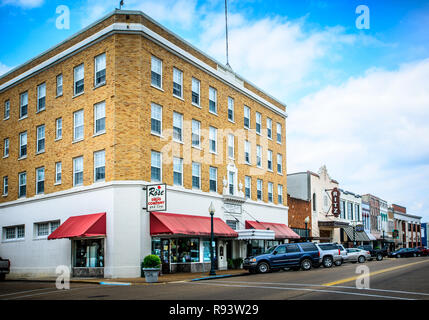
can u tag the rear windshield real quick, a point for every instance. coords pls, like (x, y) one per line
(328, 246)
(308, 247)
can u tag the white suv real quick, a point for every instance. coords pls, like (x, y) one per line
(330, 254)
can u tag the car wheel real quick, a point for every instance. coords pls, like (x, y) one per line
(306, 264)
(263, 267)
(361, 259)
(327, 262)
(398, 256)
(379, 257)
(338, 262)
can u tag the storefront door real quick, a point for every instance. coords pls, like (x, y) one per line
(165, 255)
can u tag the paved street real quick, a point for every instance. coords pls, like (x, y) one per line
(391, 279)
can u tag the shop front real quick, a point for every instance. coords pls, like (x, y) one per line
(183, 241)
(88, 235)
(330, 230)
(352, 236)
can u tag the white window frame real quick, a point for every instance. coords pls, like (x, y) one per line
(247, 114)
(41, 93)
(231, 146)
(152, 164)
(280, 162)
(178, 75)
(6, 147)
(154, 107)
(59, 85)
(97, 166)
(270, 188)
(16, 233)
(199, 175)
(50, 228)
(58, 128)
(258, 120)
(231, 107)
(99, 115)
(270, 128)
(22, 174)
(42, 169)
(247, 152)
(196, 82)
(23, 97)
(212, 138)
(280, 193)
(211, 92)
(155, 59)
(21, 144)
(6, 114)
(178, 123)
(196, 131)
(96, 85)
(75, 162)
(270, 159)
(248, 185)
(58, 171)
(76, 79)
(279, 132)
(213, 169)
(178, 164)
(5, 185)
(259, 158)
(39, 137)
(260, 187)
(77, 126)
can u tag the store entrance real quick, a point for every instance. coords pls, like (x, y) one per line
(165, 255)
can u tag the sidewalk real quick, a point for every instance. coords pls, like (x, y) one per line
(165, 278)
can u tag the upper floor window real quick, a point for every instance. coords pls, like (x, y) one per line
(43, 229)
(177, 127)
(270, 160)
(23, 144)
(100, 70)
(259, 156)
(22, 185)
(270, 192)
(5, 185)
(6, 148)
(280, 194)
(40, 180)
(99, 165)
(247, 152)
(230, 109)
(259, 189)
(279, 133)
(178, 171)
(213, 139)
(213, 179)
(279, 163)
(41, 97)
(246, 117)
(196, 135)
(196, 175)
(100, 117)
(156, 166)
(231, 146)
(23, 105)
(247, 186)
(177, 83)
(258, 122)
(78, 79)
(58, 128)
(269, 128)
(78, 171)
(59, 85)
(212, 100)
(196, 92)
(78, 125)
(40, 139)
(6, 110)
(156, 74)
(156, 121)
(58, 171)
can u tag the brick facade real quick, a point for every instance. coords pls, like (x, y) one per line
(298, 211)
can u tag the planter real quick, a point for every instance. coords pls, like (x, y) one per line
(151, 274)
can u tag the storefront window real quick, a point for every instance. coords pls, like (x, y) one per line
(89, 253)
(185, 250)
(256, 247)
(156, 246)
(206, 252)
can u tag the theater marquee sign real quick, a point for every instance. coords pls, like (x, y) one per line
(335, 196)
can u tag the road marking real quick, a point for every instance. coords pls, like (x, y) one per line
(54, 291)
(301, 289)
(372, 273)
(20, 292)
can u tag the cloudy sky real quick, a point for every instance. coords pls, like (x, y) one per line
(358, 99)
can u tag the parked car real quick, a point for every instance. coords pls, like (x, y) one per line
(422, 251)
(343, 254)
(4, 268)
(357, 255)
(330, 254)
(377, 254)
(404, 252)
(292, 255)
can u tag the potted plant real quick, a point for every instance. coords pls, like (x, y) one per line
(151, 266)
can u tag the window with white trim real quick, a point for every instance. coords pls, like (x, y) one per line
(259, 156)
(78, 125)
(23, 144)
(100, 70)
(156, 166)
(270, 192)
(22, 185)
(196, 133)
(213, 179)
(258, 126)
(41, 97)
(78, 171)
(279, 133)
(259, 189)
(280, 194)
(44, 229)
(247, 152)
(279, 163)
(14, 233)
(212, 100)
(99, 166)
(246, 117)
(177, 126)
(231, 182)
(213, 139)
(269, 128)
(6, 109)
(196, 84)
(177, 83)
(40, 180)
(156, 120)
(270, 160)
(100, 117)
(196, 175)
(231, 146)
(40, 146)
(178, 171)
(58, 128)
(6, 148)
(156, 72)
(23, 105)
(5, 186)
(230, 109)
(247, 187)
(59, 85)
(78, 84)
(58, 170)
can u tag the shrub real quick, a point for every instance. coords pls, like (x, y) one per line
(151, 261)
(237, 263)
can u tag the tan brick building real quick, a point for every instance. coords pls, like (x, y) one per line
(122, 104)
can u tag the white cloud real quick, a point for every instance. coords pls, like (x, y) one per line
(4, 68)
(26, 4)
(372, 132)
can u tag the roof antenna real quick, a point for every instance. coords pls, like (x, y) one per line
(226, 29)
(121, 3)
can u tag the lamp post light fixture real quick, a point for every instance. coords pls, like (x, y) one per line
(212, 268)
(307, 220)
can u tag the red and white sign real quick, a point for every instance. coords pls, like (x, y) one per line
(335, 195)
(156, 197)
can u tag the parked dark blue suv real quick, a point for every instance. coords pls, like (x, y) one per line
(291, 255)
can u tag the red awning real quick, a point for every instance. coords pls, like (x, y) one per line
(183, 224)
(90, 225)
(281, 230)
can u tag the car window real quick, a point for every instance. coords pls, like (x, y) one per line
(292, 248)
(327, 246)
(308, 247)
(281, 249)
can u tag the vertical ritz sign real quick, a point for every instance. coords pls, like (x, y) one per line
(335, 195)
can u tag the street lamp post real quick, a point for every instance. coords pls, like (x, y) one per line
(354, 235)
(307, 220)
(212, 268)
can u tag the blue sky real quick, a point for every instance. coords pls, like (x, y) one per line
(358, 100)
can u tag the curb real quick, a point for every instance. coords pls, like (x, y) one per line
(219, 277)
